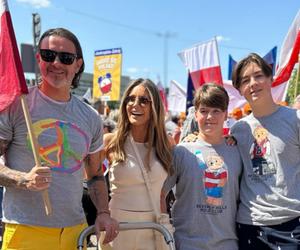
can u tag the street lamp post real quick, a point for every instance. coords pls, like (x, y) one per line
(36, 24)
(166, 36)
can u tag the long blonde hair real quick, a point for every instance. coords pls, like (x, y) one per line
(156, 134)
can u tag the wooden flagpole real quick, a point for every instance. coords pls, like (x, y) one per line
(297, 78)
(36, 155)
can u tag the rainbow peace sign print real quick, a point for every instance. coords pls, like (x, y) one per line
(62, 145)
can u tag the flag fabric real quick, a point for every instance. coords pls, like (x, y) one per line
(238, 101)
(189, 92)
(202, 61)
(162, 94)
(12, 79)
(270, 58)
(289, 53)
(231, 65)
(88, 95)
(176, 98)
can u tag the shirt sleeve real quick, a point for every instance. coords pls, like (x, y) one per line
(97, 140)
(178, 154)
(6, 126)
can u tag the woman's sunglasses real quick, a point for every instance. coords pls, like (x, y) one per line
(142, 100)
(49, 55)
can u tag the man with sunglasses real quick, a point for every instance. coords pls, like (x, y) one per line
(70, 136)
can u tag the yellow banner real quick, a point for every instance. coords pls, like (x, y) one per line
(107, 74)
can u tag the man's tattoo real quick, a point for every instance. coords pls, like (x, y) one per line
(3, 146)
(12, 178)
(9, 177)
(98, 193)
(94, 179)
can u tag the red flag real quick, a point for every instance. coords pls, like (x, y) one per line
(12, 80)
(162, 94)
(202, 61)
(289, 53)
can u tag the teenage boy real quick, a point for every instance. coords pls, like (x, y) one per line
(206, 174)
(269, 143)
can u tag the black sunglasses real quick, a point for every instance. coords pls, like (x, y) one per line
(49, 55)
(142, 100)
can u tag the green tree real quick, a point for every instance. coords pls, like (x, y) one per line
(293, 83)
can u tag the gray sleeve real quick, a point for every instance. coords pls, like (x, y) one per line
(6, 128)
(97, 141)
(178, 154)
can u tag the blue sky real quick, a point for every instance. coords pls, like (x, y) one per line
(140, 27)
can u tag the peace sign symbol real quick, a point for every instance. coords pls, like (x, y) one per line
(63, 145)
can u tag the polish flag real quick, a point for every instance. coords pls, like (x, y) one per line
(162, 94)
(202, 61)
(289, 53)
(12, 80)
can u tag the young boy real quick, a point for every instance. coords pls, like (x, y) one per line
(207, 179)
(269, 143)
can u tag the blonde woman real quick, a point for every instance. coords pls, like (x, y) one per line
(141, 122)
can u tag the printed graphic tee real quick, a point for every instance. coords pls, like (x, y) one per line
(270, 149)
(207, 190)
(66, 132)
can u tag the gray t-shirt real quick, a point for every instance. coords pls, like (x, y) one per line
(207, 191)
(67, 132)
(270, 149)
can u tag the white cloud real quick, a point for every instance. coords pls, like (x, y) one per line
(36, 3)
(132, 70)
(146, 70)
(222, 38)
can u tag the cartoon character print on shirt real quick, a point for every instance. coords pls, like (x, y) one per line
(215, 178)
(260, 152)
(62, 145)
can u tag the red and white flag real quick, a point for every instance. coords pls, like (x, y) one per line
(203, 63)
(289, 53)
(238, 101)
(12, 80)
(162, 94)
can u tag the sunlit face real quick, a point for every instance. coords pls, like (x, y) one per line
(138, 107)
(56, 74)
(210, 120)
(255, 86)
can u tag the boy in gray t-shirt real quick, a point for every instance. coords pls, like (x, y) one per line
(206, 176)
(269, 143)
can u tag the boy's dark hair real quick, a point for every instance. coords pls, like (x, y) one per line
(211, 95)
(239, 68)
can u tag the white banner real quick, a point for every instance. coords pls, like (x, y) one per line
(176, 97)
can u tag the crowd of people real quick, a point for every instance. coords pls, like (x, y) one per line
(233, 189)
